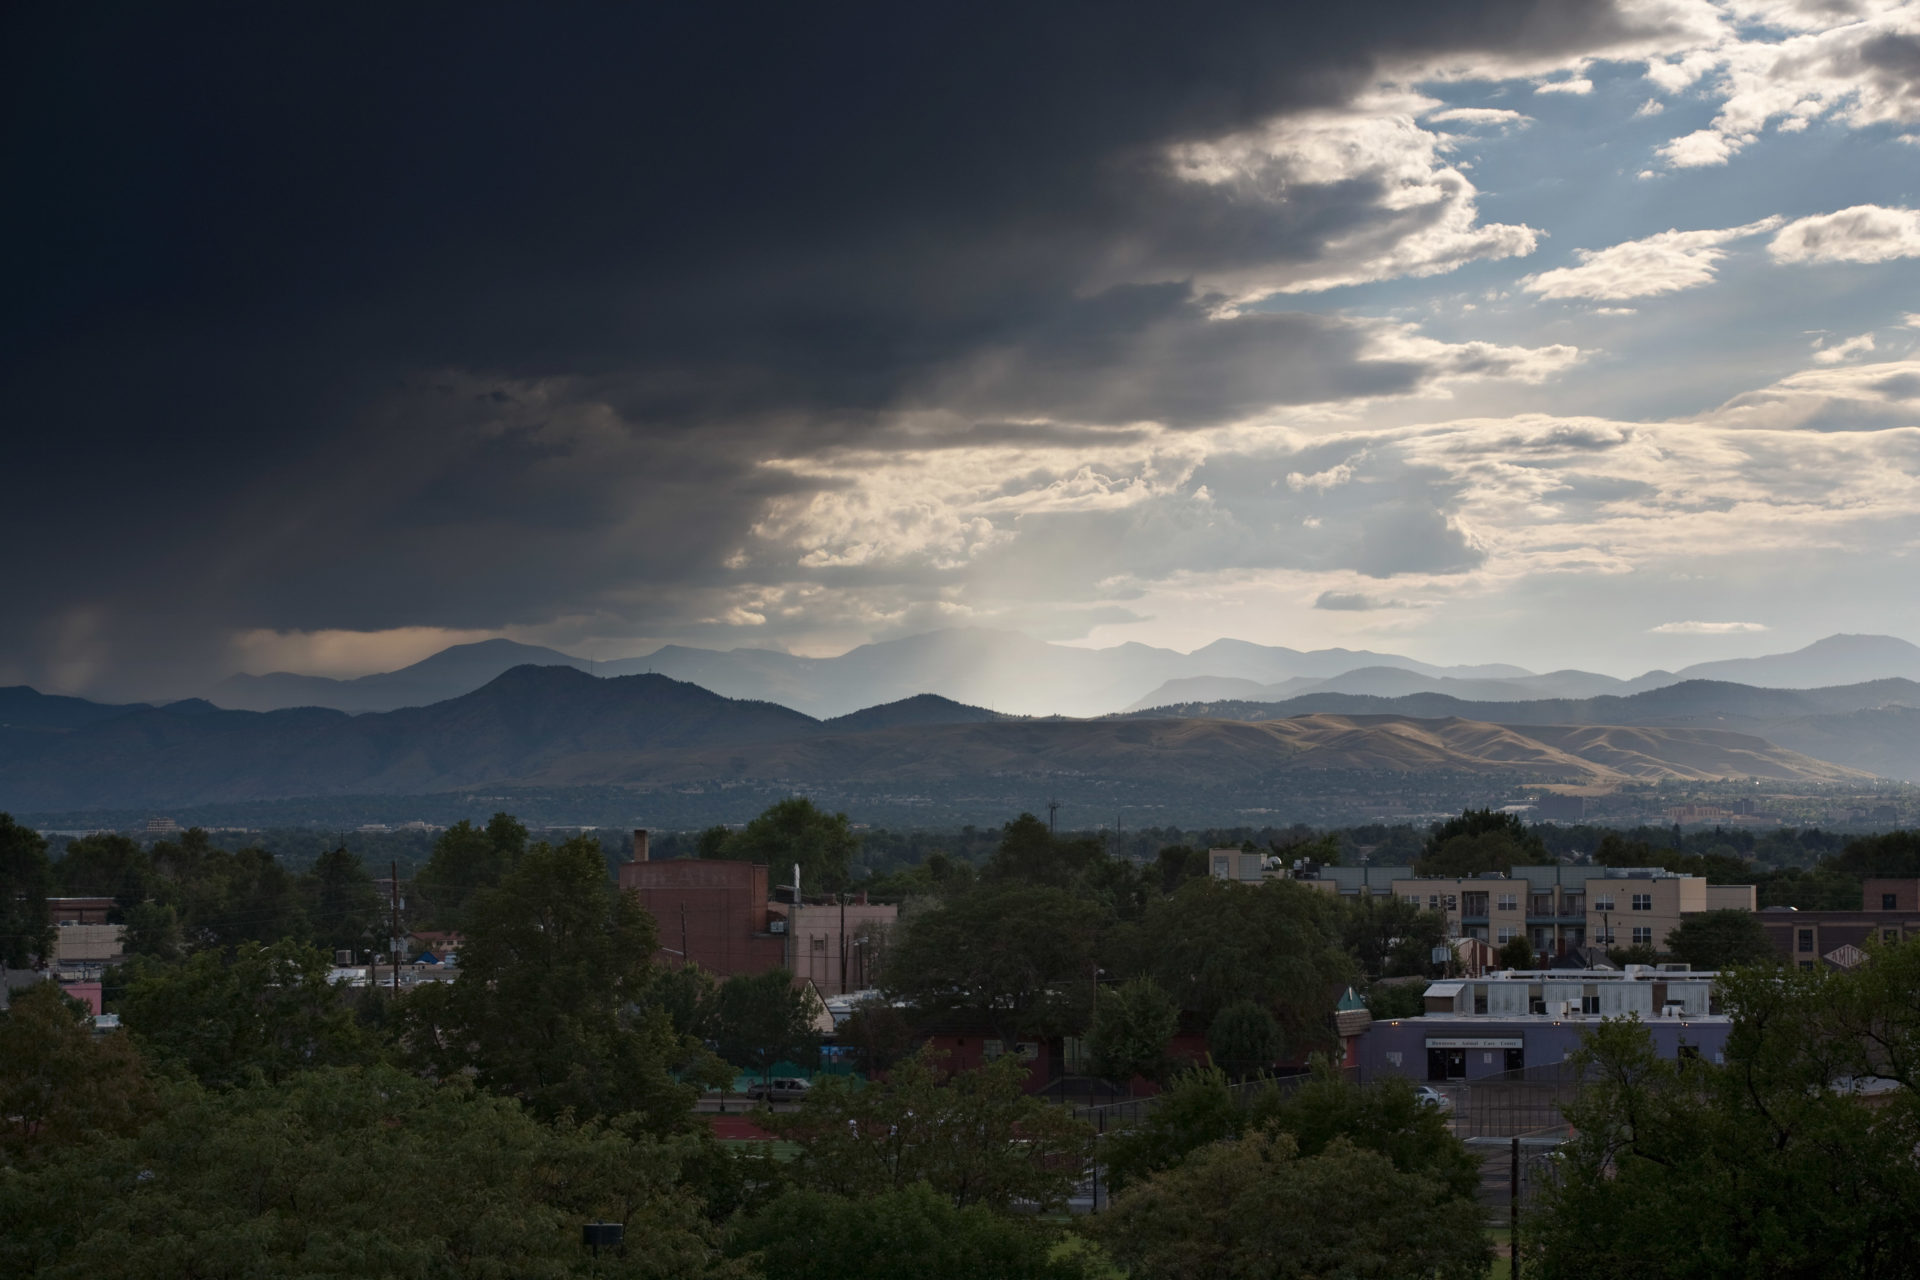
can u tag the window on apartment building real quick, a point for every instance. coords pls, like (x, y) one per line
(1603, 904)
(1806, 939)
(1643, 902)
(1887, 902)
(819, 944)
(1508, 902)
(1642, 935)
(1413, 899)
(1433, 902)
(1806, 964)
(1506, 934)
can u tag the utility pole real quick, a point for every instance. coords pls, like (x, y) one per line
(685, 957)
(1513, 1214)
(393, 883)
(843, 942)
(1053, 811)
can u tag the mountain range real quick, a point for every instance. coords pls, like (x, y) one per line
(1873, 726)
(557, 726)
(1014, 673)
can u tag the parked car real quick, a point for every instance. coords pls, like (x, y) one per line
(778, 1089)
(1432, 1097)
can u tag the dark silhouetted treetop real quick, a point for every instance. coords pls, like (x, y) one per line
(551, 1005)
(468, 860)
(975, 1137)
(263, 1013)
(1014, 958)
(1479, 840)
(61, 1083)
(304, 1179)
(1721, 940)
(26, 880)
(1256, 1207)
(913, 1231)
(1278, 943)
(793, 831)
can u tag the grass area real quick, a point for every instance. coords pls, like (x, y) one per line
(1502, 1266)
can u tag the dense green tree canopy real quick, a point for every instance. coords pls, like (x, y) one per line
(1721, 940)
(1256, 1209)
(914, 1231)
(26, 879)
(351, 1174)
(792, 831)
(266, 1012)
(60, 1082)
(343, 906)
(1016, 958)
(1199, 1107)
(1479, 840)
(1389, 937)
(1384, 1116)
(551, 1001)
(106, 865)
(468, 860)
(975, 1137)
(1244, 1038)
(1276, 943)
(1767, 1165)
(759, 1019)
(1516, 953)
(1132, 1026)
(1029, 851)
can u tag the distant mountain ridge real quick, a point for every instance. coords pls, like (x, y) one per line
(1837, 660)
(1009, 673)
(556, 726)
(1873, 726)
(447, 674)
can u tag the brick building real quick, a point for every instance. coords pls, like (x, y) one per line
(719, 914)
(1889, 912)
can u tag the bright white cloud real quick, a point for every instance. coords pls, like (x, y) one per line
(1579, 86)
(1864, 233)
(1426, 219)
(1840, 352)
(1664, 263)
(1477, 116)
(1706, 628)
(1789, 66)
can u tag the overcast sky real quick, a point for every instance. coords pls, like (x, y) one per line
(1550, 333)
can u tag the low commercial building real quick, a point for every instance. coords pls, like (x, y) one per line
(1511, 1021)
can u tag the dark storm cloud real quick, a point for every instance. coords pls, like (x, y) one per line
(643, 248)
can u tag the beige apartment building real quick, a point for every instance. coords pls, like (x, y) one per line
(1555, 908)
